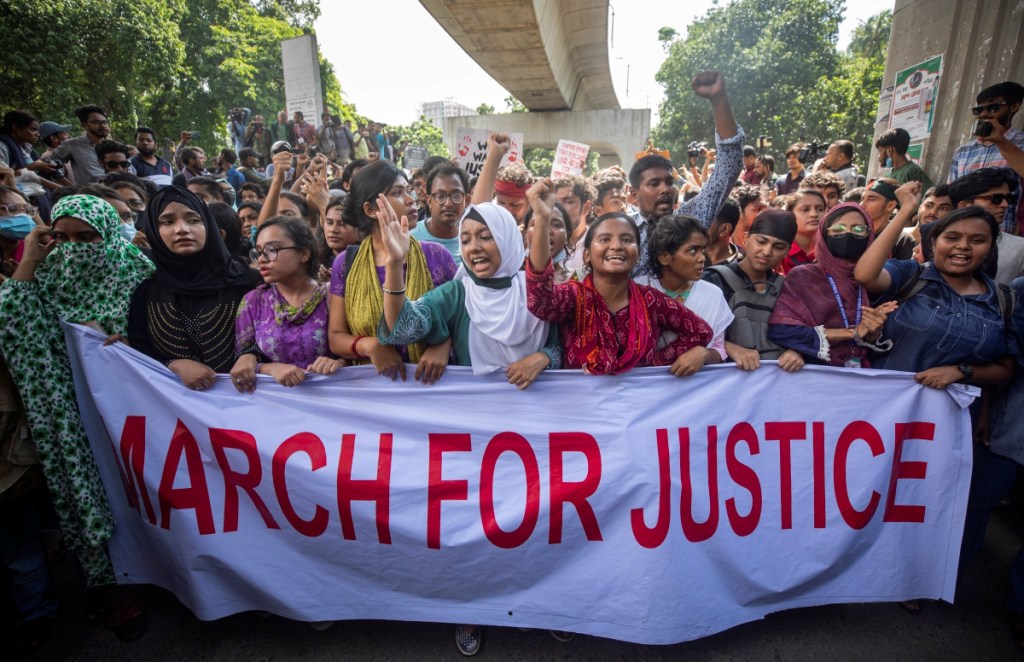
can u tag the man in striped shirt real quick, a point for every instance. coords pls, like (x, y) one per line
(1002, 147)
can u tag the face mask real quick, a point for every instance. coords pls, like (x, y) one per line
(846, 246)
(128, 231)
(16, 227)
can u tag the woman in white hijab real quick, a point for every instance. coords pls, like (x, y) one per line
(482, 310)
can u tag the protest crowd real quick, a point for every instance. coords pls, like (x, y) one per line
(302, 249)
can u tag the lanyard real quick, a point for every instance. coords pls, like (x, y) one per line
(839, 302)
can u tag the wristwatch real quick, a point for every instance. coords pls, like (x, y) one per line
(967, 370)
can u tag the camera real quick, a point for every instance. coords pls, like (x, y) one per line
(813, 151)
(694, 149)
(58, 167)
(981, 128)
(236, 114)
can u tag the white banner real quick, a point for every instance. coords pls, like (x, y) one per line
(640, 507)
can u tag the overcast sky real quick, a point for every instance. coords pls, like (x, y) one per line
(422, 63)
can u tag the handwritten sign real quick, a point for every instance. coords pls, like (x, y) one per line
(570, 157)
(471, 149)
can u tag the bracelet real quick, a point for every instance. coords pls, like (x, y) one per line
(387, 291)
(880, 346)
(352, 348)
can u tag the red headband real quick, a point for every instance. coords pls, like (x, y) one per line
(511, 188)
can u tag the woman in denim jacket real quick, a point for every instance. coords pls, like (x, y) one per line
(952, 328)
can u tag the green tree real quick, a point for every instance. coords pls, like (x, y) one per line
(871, 38)
(770, 51)
(69, 53)
(485, 109)
(842, 106)
(666, 36)
(422, 133)
(514, 105)
(334, 97)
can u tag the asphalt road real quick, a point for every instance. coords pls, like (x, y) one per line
(976, 628)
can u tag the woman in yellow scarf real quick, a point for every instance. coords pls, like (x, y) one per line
(356, 300)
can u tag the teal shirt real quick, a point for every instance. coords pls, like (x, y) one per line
(441, 314)
(453, 245)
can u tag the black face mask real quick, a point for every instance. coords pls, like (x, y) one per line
(846, 246)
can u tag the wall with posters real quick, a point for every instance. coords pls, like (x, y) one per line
(979, 45)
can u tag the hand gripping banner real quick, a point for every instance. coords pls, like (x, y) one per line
(640, 507)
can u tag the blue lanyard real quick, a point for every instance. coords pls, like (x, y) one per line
(839, 302)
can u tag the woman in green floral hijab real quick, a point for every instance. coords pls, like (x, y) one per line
(82, 271)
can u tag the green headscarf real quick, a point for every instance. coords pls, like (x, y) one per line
(92, 282)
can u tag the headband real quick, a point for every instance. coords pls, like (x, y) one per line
(775, 223)
(883, 188)
(503, 187)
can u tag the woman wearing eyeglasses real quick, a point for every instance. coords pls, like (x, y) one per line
(281, 329)
(184, 315)
(17, 218)
(446, 199)
(822, 313)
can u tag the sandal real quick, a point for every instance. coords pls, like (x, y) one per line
(912, 607)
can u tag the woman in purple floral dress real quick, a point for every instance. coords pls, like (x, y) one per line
(281, 328)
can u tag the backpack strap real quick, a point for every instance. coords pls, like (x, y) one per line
(913, 285)
(729, 276)
(1007, 301)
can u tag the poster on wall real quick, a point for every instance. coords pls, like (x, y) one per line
(915, 153)
(914, 97)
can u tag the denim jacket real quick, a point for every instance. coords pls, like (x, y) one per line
(937, 326)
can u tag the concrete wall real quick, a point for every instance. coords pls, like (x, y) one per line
(621, 133)
(981, 43)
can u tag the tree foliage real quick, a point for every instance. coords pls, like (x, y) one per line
(871, 38)
(514, 105)
(771, 52)
(173, 65)
(422, 133)
(65, 54)
(843, 106)
(485, 109)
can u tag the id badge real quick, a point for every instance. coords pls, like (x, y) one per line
(853, 362)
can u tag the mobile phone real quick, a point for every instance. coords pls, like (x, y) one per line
(982, 128)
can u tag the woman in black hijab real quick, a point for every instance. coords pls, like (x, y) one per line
(184, 315)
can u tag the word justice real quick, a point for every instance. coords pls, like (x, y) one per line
(789, 437)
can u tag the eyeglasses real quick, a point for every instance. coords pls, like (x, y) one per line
(121, 165)
(14, 210)
(270, 252)
(442, 198)
(128, 216)
(137, 205)
(858, 230)
(988, 107)
(998, 198)
(98, 122)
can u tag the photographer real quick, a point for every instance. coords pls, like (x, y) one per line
(839, 159)
(238, 118)
(259, 138)
(996, 143)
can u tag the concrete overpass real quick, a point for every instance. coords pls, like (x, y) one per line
(552, 55)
